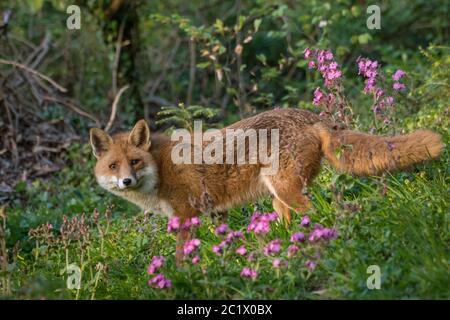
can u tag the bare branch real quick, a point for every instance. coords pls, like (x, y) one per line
(74, 108)
(34, 72)
(114, 107)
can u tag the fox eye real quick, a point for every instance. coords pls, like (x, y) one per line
(135, 162)
(113, 166)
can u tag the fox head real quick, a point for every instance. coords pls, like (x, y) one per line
(124, 162)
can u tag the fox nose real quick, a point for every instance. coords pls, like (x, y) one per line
(127, 181)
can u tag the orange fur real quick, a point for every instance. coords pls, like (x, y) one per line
(365, 154)
(187, 190)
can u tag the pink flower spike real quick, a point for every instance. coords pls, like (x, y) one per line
(157, 262)
(160, 282)
(318, 96)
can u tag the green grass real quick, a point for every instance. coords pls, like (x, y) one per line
(399, 222)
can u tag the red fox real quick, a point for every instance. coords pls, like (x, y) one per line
(138, 166)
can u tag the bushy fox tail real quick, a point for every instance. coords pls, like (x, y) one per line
(365, 154)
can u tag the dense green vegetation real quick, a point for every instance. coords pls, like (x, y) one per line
(227, 60)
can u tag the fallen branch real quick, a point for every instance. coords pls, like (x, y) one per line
(34, 72)
(74, 108)
(114, 107)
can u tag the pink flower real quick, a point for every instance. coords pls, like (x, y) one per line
(195, 221)
(190, 246)
(315, 235)
(271, 216)
(222, 229)
(329, 233)
(273, 246)
(307, 53)
(278, 263)
(242, 251)
(398, 75)
(233, 235)
(157, 262)
(328, 55)
(333, 66)
(367, 68)
(311, 64)
(218, 249)
(249, 273)
(195, 259)
(370, 85)
(292, 251)
(187, 224)
(318, 96)
(298, 237)
(320, 232)
(398, 86)
(311, 265)
(320, 56)
(333, 74)
(160, 282)
(260, 223)
(173, 225)
(251, 257)
(378, 93)
(305, 221)
(389, 101)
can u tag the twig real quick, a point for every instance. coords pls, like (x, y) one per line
(114, 107)
(117, 57)
(34, 72)
(74, 108)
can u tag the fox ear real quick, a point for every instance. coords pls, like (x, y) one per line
(140, 135)
(100, 142)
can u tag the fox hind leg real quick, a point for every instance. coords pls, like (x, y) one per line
(282, 210)
(287, 196)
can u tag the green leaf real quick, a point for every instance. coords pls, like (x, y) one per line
(203, 65)
(35, 5)
(256, 24)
